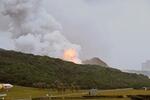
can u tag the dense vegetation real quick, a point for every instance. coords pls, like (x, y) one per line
(42, 71)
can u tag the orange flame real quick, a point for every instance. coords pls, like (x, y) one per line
(71, 55)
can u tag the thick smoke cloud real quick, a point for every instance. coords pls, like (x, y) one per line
(34, 30)
(116, 31)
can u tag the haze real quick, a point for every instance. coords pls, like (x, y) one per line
(116, 31)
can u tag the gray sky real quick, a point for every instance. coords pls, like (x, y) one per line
(115, 30)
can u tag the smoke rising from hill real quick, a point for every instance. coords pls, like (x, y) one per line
(34, 30)
(116, 31)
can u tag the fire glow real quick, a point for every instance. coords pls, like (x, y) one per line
(71, 55)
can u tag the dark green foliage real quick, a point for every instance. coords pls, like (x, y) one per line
(42, 71)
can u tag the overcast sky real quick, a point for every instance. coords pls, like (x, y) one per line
(116, 31)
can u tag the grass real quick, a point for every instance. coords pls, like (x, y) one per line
(18, 92)
(124, 92)
(24, 92)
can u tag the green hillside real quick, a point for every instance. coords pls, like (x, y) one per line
(42, 71)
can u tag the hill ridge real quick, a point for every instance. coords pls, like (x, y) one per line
(34, 70)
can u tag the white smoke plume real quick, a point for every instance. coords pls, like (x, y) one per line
(34, 30)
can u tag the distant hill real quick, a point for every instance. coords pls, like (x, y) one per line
(95, 61)
(147, 73)
(30, 70)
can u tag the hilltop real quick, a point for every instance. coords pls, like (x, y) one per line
(43, 71)
(95, 61)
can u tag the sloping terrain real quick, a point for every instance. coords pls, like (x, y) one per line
(42, 71)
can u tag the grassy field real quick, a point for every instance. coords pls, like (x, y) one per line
(18, 92)
(124, 92)
(24, 92)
